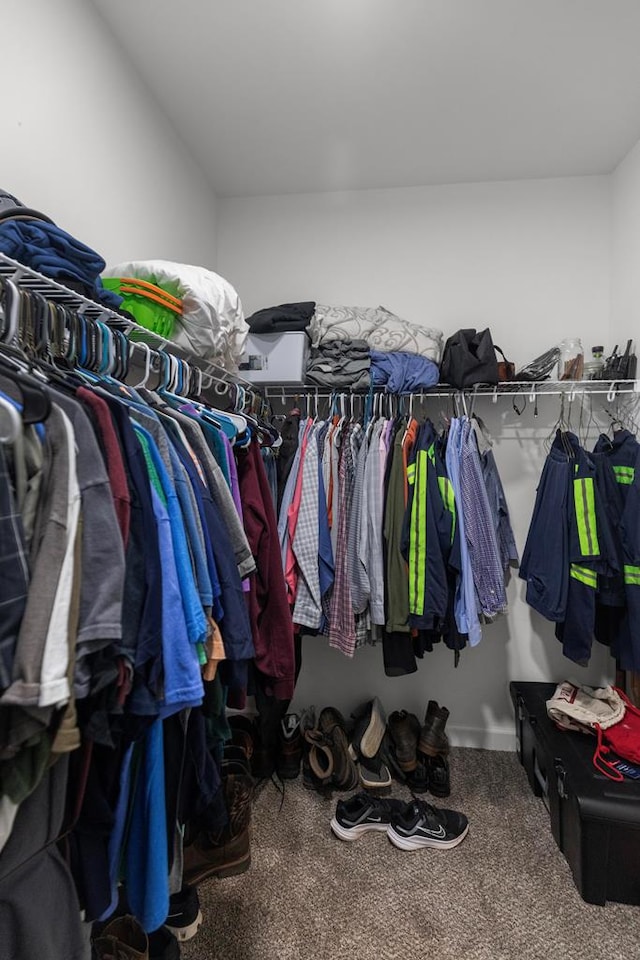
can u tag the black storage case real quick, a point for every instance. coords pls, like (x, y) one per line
(595, 821)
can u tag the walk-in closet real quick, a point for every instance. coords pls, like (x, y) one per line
(320, 480)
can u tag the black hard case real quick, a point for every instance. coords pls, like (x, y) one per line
(595, 821)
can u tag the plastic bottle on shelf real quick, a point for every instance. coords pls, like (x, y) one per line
(593, 368)
(571, 361)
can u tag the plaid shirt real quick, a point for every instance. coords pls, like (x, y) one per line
(342, 629)
(307, 611)
(484, 554)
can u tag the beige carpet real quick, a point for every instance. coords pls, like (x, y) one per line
(506, 893)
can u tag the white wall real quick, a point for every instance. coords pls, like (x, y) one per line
(84, 142)
(625, 245)
(531, 259)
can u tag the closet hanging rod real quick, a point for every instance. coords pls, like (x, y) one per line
(51, 289)
(549, 388)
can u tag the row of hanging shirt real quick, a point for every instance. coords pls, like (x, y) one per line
(581, 560)
(390, 531)
(132, 523)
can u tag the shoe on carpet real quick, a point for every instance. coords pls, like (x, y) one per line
(332, 727)
(404, 730)
(438, 775)
(232, 753)
(123, 939)
(163, 945)
(362, 814)
(185, 915)
(433, 739)
(227, 852)
(418, 779)
(318, 760)
(421, 825)
(289, 755)
(243, 741)
(374, 773)
(369, 729)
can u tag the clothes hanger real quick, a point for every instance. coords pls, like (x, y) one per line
(11, 300)
(10, 422)
(36, 404)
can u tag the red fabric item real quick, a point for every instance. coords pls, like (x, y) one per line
(112, 454)
(623, 739)
(269, 612)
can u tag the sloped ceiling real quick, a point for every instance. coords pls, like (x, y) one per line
(288, 96)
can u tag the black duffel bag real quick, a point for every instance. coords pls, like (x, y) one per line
(469, 357)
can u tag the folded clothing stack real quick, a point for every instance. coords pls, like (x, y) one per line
(285, 318)
(340, 365)
(381, 329)
(34, 240)
(358, 347)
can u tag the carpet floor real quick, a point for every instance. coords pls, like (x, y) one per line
(506, 893)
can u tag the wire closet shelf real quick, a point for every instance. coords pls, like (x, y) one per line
(28, 279)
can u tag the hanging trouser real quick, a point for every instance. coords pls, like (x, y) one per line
(545, 561)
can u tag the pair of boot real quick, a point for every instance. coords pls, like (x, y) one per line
(421, 751)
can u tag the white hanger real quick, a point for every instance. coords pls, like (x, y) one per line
(147, 362)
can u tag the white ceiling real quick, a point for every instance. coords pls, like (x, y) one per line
(288, 96)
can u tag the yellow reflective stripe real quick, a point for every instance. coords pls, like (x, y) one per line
(584, 575)
(411, 473)
(431, 453)
(631, 573)
(418, 537)
(625, 474)
(446, 492)
(421, 558)
(584, 500)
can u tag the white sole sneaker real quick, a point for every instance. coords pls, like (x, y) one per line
(373, 781)
(419, 843)
(186, 933)
(354, 833)
(372, 737)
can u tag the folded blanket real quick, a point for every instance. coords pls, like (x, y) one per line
(340, 365)
(282, 319)
(402, 372)
(54, 252)
(381, 329)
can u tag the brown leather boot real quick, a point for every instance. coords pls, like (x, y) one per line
(228, 852)
(122, 939)
(433, 739)
(404, 730)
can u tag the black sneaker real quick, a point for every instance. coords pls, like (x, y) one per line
(362, 814)
(421, 825)
(185, 915)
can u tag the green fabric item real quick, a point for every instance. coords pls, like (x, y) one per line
(151, 468)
